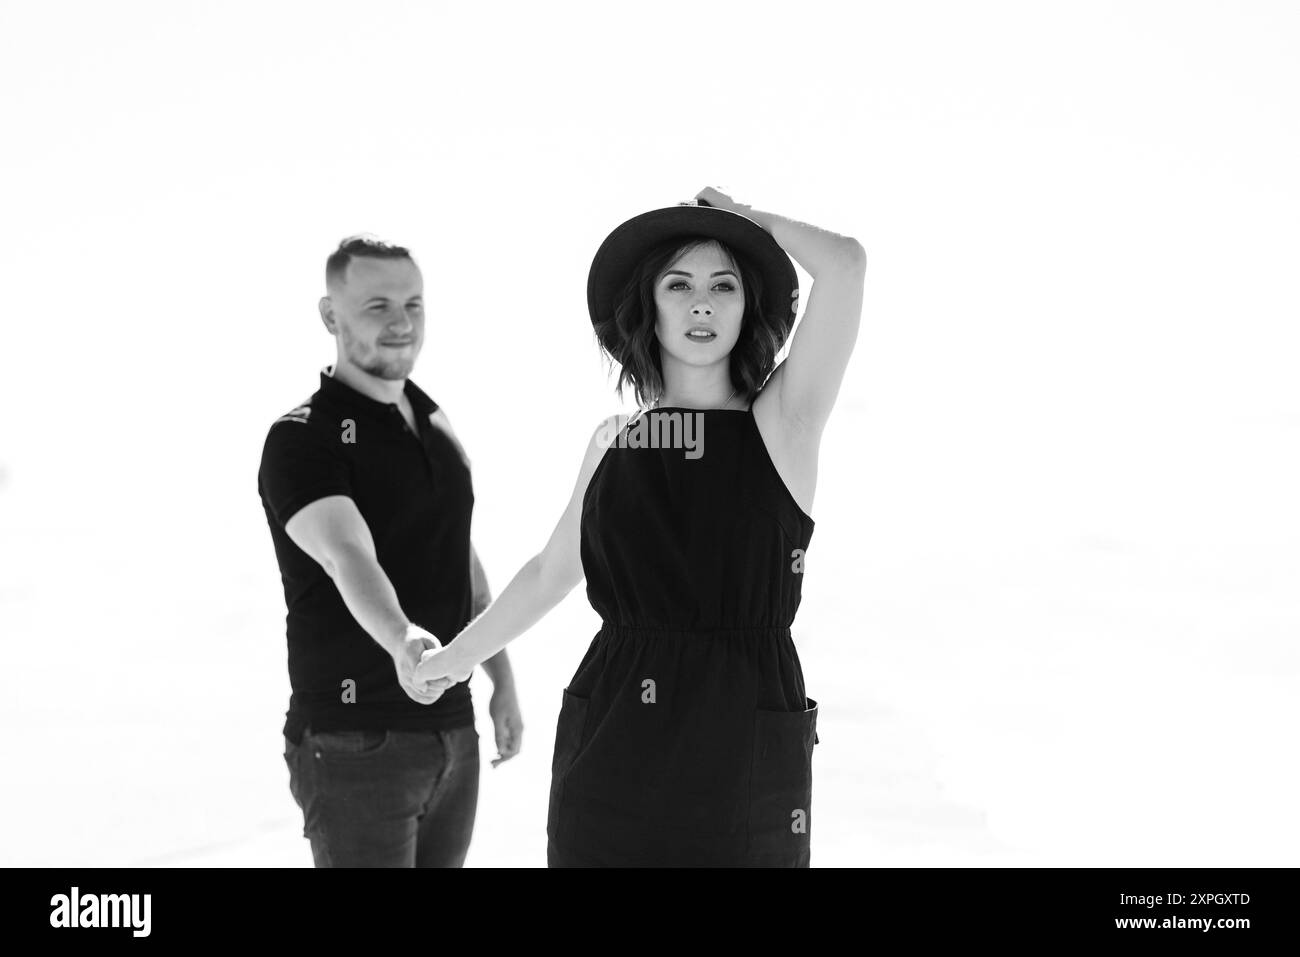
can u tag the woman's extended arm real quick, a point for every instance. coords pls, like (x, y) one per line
(806, 384)
(536, 588)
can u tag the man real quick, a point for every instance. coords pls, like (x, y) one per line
(368, 496)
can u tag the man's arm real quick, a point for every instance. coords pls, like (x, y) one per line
(507, 721)
(498, 666)
(478, 578)
(332, 531)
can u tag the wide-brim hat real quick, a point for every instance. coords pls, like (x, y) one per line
(624, 248)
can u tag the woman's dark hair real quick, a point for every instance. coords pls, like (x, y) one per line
(632, 327)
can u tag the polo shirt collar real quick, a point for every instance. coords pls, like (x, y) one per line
(346, 395)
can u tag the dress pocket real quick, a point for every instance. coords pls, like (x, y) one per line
(780, 791)
(568, 742)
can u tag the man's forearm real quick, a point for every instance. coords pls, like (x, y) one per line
(479, 584)
(499, 670)
(370, 597)
(498, 666)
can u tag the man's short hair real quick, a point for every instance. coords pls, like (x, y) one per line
(362, 246)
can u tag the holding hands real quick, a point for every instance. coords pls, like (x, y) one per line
(406, 658)
(442, 667)
(439, 664)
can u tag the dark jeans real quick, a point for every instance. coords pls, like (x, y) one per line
(386, 798)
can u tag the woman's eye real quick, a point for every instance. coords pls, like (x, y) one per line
(725, 287)
(676, 284)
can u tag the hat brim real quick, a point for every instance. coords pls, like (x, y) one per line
(624, 248)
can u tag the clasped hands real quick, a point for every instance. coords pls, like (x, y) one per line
(425, 669)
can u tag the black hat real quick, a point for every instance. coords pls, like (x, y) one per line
(625, 247)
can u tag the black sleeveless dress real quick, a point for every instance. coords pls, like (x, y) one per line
(685, 737)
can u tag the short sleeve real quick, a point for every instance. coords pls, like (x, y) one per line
(299, 466)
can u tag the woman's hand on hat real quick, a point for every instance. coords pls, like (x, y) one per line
(715, 197)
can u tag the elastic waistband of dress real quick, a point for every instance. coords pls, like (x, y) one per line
(650, 631)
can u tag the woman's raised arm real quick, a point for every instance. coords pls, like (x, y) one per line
(806, 384)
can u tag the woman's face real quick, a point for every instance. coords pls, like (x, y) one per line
(700, 303)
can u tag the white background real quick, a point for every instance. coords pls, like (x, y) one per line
(1050, 609)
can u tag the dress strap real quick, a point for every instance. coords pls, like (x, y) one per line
(634, 417)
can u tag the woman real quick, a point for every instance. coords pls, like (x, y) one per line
(685, 737)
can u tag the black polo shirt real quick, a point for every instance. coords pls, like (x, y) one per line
(415, 494)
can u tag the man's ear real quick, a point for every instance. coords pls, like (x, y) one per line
(326, 307)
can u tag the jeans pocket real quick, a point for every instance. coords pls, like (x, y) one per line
(569, 730)
(291, 762)
(780, 791)
(348, 744)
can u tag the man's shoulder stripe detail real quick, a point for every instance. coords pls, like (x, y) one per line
(300, 414)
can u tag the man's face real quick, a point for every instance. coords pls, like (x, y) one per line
(377, 315)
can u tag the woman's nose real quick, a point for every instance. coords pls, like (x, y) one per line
(701, 309)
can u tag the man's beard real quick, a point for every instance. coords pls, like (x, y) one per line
(373, 363)
(394, 370)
